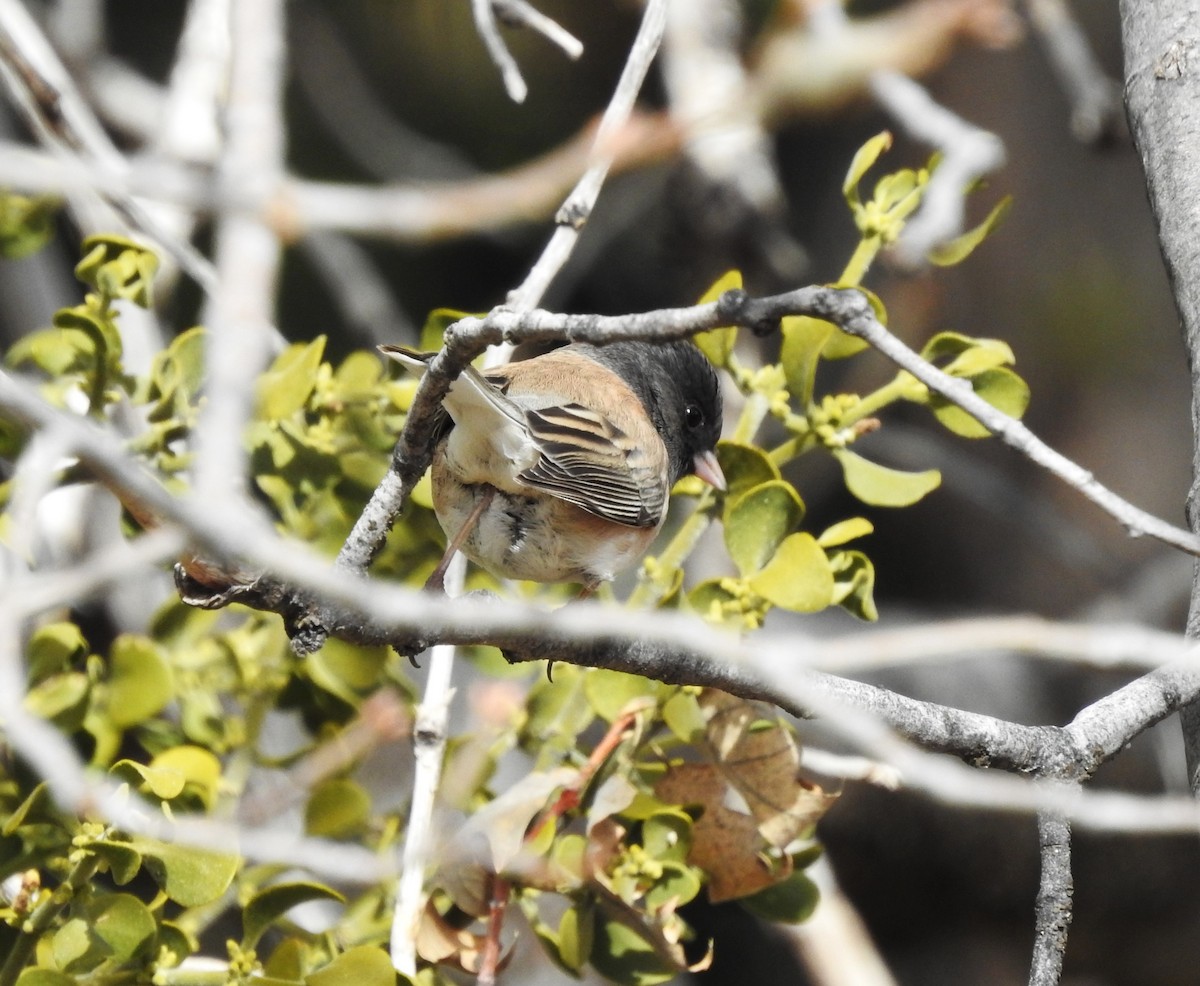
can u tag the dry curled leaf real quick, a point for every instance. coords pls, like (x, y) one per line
(756, 804)
(439, 941)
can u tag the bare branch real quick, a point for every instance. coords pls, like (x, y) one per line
(1099, 645)
(484, 12)
(429, 748)
(1054, 908)
(524, 14)
(1136, 521)
(578, 206)
(55, 110)
(488, 14)
(1097, 113)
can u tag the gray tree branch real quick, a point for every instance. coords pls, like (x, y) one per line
(1162, 98)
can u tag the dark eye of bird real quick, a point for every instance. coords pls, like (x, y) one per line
(693, 416)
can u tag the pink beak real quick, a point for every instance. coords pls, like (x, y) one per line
(709, 469)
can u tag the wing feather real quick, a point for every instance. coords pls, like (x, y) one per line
(587, 460)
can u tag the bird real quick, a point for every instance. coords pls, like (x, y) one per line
(558, 468)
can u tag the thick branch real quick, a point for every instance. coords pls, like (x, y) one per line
(1162, 96)
(1053, 910)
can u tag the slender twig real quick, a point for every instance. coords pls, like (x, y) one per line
(578, 206)
(488, 13)
(57, 112)
(429, 748)
(1054, 907)
(484, 12)
(1135, 520)
(1097, 113)
(497, 905)
(1098, 645)
(524, 14)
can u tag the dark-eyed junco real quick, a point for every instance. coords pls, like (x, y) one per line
(558, 468)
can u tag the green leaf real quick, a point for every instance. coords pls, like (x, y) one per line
(140, 683)
(177, 373)
(846, 530)
(123, 860)
(964, 356)
(667, 835)
(76, 949)
(708, 601)
(681, 714)
(1001, 388)
(38, 806)
(285, 387)
(54, 648)
(883, 487)
(45, 977)
(864, 158)
(347, 670)
(62, 699)
(612, 693)
(677, 885)
(558, 710)
(191, 877)
(287, 960)
(627, 958)
(364, 965)
(175, 944)
(744, 466)
(576, 933)
(797, 577)
(200, 769)
(118, 267)
(337, 809)
(792, 900)
(958, 249)
(26, 224)
(758, 520)
(804, 341)
(898, 193)
(125, 925)
(269, 905)
(717, 344)
(164, 783)
(854, 584)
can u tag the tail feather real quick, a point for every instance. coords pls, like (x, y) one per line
(469, 392)
(413, 360)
